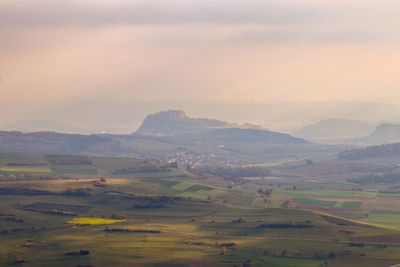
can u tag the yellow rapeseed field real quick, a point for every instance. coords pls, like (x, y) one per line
(93, 221)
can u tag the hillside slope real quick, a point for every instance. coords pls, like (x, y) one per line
(51, 142)
(335, 130)
(383, 134)
(173, 122)
(389, 150)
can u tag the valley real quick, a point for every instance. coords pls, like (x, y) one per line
(100, 211)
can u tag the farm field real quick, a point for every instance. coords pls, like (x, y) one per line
(171, 217)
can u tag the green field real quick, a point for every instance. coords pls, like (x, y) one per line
(315, 202)
(351, 204)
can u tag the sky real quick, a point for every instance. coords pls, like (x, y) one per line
(197, 51)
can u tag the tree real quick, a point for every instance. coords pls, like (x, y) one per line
(247, 263)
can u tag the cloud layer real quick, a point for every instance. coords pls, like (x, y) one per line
(192, 50)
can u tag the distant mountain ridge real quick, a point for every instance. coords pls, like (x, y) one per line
(123, 116)
(162, 133)
(51, 142)
(172, 122)
(383, 134)
(177, 123)
(335, 130)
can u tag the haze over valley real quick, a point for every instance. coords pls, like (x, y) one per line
(188, 133)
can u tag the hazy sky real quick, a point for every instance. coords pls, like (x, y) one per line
(199, 50)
